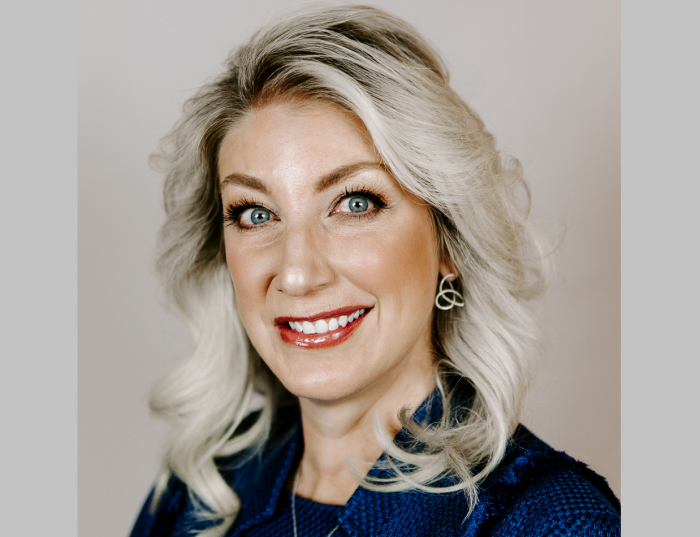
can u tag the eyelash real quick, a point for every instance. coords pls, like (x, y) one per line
(362, 192)
(234, 211)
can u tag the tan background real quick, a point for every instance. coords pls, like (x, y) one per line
(544, 75)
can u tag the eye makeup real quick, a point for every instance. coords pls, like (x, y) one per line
(234, 211)
(378, 203)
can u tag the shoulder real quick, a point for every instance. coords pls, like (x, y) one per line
(537, 490)
(176, 513)
(171, 516)
(560, 503)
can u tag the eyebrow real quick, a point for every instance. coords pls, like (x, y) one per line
(344, 172)
(242, 179)
(324, 183)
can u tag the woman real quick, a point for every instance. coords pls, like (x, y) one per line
(347, 244)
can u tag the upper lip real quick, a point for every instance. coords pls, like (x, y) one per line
(348, 310)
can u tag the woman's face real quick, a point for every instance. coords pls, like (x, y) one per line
(316, 234)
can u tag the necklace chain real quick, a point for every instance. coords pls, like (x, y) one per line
(294, 501)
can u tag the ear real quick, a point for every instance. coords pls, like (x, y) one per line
(447, 267)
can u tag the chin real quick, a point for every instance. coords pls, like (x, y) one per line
(329, 385)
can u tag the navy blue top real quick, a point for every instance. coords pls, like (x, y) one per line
(534, 491)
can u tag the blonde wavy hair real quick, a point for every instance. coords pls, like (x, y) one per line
(379, 68)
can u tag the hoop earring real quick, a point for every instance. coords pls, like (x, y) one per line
(451, 296)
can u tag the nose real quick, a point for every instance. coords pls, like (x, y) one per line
(304, 266)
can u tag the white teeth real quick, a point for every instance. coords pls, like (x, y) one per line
(322, 326)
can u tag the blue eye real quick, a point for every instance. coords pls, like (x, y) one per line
(358, 204)
(254, 217)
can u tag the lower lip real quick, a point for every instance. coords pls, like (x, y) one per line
(319, 341)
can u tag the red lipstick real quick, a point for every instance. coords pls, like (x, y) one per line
(329, 338)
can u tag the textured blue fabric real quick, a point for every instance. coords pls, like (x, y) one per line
(313, 519)
(535, 491)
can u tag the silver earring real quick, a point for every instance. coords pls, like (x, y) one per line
(451, 296)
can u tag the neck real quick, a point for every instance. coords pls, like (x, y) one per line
(340, 436)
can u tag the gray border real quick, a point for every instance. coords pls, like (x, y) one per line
(38, 271)
(660, 311)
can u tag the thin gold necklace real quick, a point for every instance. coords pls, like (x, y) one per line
(294, 501)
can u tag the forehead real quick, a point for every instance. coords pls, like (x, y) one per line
(294, 140)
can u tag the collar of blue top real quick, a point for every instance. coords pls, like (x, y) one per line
(259, 479)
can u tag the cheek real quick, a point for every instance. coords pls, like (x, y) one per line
(236, 266)
(248, 271)
(398, 262)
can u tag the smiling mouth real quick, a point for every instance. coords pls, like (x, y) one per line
(323, 330)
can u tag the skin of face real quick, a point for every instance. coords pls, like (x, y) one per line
(312, 254)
